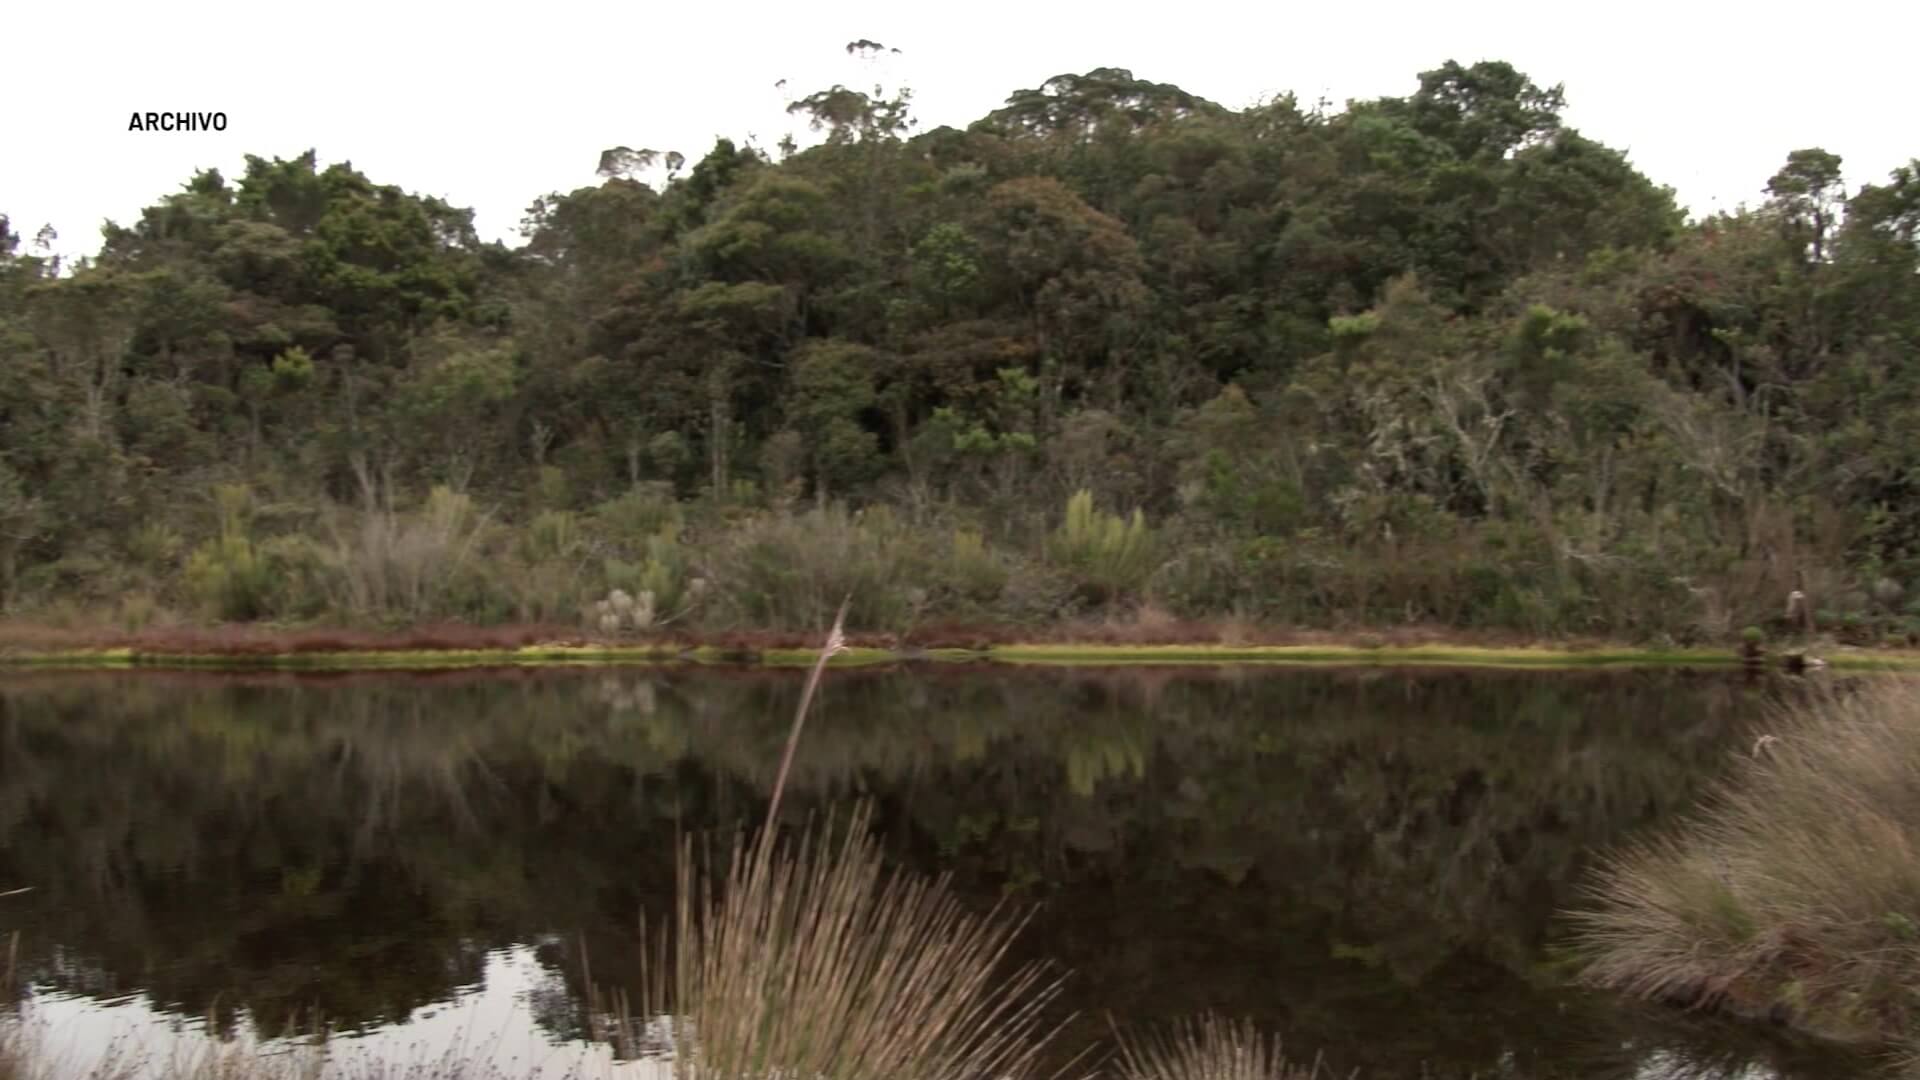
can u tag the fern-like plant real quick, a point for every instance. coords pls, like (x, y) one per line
(1111, 557)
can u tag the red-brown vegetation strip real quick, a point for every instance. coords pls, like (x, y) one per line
(250, 640)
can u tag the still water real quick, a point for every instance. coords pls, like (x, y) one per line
(1371, 863)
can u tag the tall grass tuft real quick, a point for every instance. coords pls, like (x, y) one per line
(407, 564)
(1111, 557)
(1796, 889)
(789, 570)
(1209, 1048)
(228, 575)
(811, 960)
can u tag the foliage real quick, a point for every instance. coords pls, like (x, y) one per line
(1436, 357)
(1110, 556)
(792, 571)
(410, 564)
(229, 575)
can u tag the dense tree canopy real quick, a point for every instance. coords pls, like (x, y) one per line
(1433, 358)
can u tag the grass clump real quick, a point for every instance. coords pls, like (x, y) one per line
(1208, 1048)
(785, 571)
(229, 575)
(1795, 892)
(407, 564)
(813, 960)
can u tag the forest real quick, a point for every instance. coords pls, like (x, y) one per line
(1112, 351)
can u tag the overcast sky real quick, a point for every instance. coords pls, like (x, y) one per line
(490, 107)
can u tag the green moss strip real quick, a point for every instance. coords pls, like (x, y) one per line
(1353, 654)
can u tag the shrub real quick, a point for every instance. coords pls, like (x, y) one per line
(642, 512)
(412, 565)
(1210, 576)
(551, 488)
(137, 610)
(153, 546)
(1110, 557)
(973, 576)
(791, 571)
(227, 576)
(553, 535)
(300, 573)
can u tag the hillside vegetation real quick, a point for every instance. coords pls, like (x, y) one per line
(1437, 359)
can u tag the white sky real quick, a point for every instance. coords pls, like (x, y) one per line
(491, 106)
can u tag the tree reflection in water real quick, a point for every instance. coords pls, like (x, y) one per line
(1368, 862)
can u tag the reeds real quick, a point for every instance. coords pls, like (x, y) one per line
(811, 960)
(1795, 891)
(1208, 1048)
(406, 564)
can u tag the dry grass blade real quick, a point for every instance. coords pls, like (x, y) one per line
(816, 962)
(836, 644)
(1208, 1048)
(811, 961)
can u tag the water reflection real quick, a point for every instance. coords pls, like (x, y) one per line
(1368, 861)
(502, 1018)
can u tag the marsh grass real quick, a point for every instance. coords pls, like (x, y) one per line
(811, 959)
(410, 564)
(1795, 891)
(1208, 1048)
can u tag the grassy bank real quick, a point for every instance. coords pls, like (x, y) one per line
(1795, 892)
(446, 646)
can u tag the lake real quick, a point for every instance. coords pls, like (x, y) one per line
(1371, 862)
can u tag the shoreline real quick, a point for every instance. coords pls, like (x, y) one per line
(454, 647)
